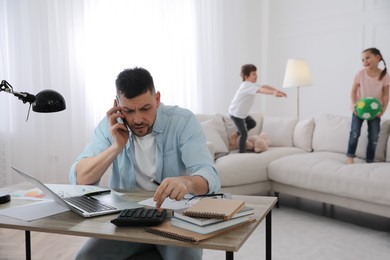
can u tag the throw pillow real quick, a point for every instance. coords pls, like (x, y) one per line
(213, 136)
(303, 134)
(279, 130)
(331, 133)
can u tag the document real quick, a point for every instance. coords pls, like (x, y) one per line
(62, 190)
(33, 211)
(168, 203)
(46, 206)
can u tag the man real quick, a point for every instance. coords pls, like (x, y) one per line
(143, 139)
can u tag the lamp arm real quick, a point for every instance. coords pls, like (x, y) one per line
(24, 96)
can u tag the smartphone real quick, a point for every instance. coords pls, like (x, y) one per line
(119, 119)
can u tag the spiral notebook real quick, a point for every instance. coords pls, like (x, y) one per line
(215, 208)
(167, 230)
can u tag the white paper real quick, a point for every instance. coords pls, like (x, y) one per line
(33, 211)
(69, 190)
(62, 190)
(168, 203)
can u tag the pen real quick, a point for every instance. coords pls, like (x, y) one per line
(95, 193)
(155, 182)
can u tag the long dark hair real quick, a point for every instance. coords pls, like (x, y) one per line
(375, 51)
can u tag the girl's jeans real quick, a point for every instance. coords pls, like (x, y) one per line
(373, 133)
(243, 126)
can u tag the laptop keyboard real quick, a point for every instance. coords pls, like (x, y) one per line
(89, 204)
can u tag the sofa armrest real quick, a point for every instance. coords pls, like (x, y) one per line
(211, 148)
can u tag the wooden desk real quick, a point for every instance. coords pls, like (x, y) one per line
(70, 223)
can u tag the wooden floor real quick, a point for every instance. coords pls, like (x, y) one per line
(43, 245)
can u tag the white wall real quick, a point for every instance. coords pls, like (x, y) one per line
(331, 35)
(236, 43)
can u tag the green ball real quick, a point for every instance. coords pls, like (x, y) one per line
(368, 108)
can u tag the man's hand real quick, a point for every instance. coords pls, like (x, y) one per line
(176, 187)
(118, 131)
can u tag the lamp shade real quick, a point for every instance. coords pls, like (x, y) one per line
(48, 101)
(297, 74)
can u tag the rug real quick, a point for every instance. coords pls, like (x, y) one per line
(298, 234)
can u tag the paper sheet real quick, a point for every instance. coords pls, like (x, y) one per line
(34, 211)
(62, 190)
(168, 203)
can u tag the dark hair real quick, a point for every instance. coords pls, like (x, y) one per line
(134, 82)
(375, 51)
(246, 70)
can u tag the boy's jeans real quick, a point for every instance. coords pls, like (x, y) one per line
(373, 133)
(243, 126)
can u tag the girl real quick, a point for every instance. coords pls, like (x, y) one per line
(243, 101)
(369, 82)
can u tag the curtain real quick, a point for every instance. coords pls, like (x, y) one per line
(191, 48)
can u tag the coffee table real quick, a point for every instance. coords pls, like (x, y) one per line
(69, 223)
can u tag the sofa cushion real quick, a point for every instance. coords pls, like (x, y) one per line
(303, 134)
(380, 152)
(327, 172)
(243, 168)
(331, 134)
(280, 130)
(214, 131)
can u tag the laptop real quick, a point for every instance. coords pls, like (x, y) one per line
(87, 205)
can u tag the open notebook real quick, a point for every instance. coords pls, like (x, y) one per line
(86, 206)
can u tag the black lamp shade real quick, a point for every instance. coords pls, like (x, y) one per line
(48, 101)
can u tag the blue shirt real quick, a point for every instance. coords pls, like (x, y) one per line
(181, 150)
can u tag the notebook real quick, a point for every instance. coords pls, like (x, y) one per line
(208, 228)
(245, 211)
(167, 230)
(215, 208)
(86, 206)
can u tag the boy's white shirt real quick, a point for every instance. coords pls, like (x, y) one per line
(243, 99)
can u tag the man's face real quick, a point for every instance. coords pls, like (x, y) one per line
(140, 112)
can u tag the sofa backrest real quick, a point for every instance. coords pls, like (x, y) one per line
(280, 130)
(326, 132)
(331, 133)
(219, 127)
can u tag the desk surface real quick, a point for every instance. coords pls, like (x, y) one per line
(69, 223)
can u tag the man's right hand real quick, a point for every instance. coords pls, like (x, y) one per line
(118, 130)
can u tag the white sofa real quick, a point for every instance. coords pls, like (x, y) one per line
(306, 159)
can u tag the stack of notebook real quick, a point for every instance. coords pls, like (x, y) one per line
(205, 219)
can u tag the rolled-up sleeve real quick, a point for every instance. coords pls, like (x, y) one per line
(196, 155)
(100, 142)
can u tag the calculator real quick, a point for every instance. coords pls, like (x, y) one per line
(140, 217)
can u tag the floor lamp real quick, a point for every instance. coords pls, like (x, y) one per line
(297, 75)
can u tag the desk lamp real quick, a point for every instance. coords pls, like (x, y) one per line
(46, 101)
